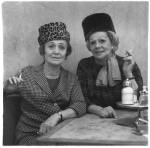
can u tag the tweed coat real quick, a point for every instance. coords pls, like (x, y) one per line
(102, 95)
(39, 102)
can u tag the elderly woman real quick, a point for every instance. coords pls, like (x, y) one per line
(50, 93)
(102, 75)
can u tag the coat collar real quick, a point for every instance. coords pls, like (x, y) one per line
(41, 80)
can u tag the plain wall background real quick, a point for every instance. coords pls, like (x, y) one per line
(21, 21)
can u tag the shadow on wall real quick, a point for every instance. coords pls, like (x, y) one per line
(21, 21)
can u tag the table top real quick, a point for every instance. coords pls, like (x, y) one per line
(92, 130)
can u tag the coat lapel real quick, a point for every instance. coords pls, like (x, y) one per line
(61, 89)
(40, 78)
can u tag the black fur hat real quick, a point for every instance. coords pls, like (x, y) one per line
(97, 22)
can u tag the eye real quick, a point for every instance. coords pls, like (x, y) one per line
(102, 41)
(62, 47)
(92, 42)
(51, 46)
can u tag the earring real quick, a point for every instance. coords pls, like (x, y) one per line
(113, 51)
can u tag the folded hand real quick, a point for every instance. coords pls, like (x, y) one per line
(108, 112)
(47, 125)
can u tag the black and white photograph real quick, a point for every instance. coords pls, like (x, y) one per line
(75, 73)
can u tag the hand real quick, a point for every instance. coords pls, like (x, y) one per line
(47, 125)
(108, 112)
(128, 66)
(10, 86)
(15, 80)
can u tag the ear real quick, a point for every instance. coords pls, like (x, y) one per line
(114, 48)
(42, 50)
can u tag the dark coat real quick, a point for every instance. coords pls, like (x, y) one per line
(103, 95)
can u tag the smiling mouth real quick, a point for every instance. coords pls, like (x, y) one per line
(56, 58)
(99, 52)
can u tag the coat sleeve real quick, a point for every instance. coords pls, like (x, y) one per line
(83, 79)
(138, 77)
(77, 101)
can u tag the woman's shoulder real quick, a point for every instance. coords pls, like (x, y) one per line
(28, 68)
(69, 75)
(86, 61)
(67, 72)
(31, 70)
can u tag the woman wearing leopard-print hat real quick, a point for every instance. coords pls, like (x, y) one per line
(50, 93)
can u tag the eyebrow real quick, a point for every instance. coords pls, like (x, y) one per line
(102, 38)
(62, 43)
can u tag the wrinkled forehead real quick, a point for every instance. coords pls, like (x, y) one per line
(57, 42)
(98, 35)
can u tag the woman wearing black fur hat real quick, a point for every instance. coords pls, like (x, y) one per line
(101, 75)
(50, 93)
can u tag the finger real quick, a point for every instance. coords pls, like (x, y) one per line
(10, 80)
(107, 114)
(42, 129)
(18, 80)
(108, 107)
(132, 61)
(114, 114)
(110, 114)
(102, 114)
(128, 61)
(14, 79)
(112, 111)
(128, 58)
(48, 129)
(20, 77)
(128, 52)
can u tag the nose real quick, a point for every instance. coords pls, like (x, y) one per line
(56, 50)
(97, 45)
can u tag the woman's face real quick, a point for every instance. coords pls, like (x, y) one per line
(100, 45)
(55, 52)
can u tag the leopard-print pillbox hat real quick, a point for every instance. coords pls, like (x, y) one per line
(53, 31)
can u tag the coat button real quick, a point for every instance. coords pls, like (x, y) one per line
(55, 104)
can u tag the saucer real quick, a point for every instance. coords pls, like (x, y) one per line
(132, 106)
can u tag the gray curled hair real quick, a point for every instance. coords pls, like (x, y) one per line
(113, 39)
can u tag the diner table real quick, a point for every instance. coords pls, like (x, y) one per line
(90, 129)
